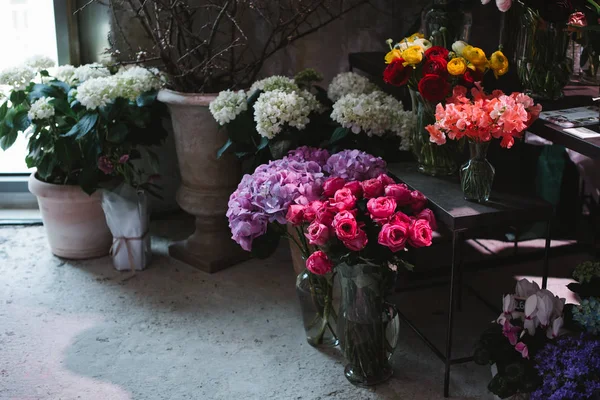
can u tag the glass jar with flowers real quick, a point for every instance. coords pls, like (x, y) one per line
(431, 71)
(479, 120)
(360, 233)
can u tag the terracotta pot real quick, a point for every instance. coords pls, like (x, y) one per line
(207, 182)
(74, 221)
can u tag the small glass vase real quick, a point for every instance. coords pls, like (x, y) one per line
(432, 159)
(316, 296)
(367, 325)
(477, 175)
(541, 56)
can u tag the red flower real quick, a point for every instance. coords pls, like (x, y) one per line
(372, 188)
(345, 226)
(419, 201)
(400, 192)
(437, 52)
(397, 74)
(310, 212)
(419, 234)
(394, 236)
(355, 188)
(434, 88)
(358, 242)
(386, 179)
(326, 213)
(436, 66)
(295, 214)
(381, 207)
(332, 185)
(427, 214)
(470, 77)
(318, 263)
(343, 199)
(317, 234)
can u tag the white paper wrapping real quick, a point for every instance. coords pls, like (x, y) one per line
(126, 213)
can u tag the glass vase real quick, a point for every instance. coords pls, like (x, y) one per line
(367, 325)
(316, 296)
(432, 159)
(477, 175)
(541, 56)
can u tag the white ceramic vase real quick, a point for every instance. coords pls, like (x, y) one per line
(207, 182)
(74, 221)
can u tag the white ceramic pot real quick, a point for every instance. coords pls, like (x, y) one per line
(74, 221)
(207, 182)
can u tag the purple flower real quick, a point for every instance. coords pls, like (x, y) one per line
(105, 165)
(354, 165)
(124, 158)
(305, 153)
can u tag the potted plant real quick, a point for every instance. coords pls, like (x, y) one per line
(80, 123)
(205, 48)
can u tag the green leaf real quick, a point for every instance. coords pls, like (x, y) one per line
(46, 166)
(88, 180)
(44, 73)
(17, 97)
(3, 110)
(223, 149)
(252, 99)
(62, 106)
(339, 134)
(146, 99)
(21, 120)
(279, 148)
(117, 133)
(264, 142)
(265, 245)
(61, 85)
(153, 159)
(83, 126)
(7, 140)
(40, 90)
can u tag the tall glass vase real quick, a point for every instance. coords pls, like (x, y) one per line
(543, 65)
(367, 325)
(477, 175)
(316, 296)
(432, 159)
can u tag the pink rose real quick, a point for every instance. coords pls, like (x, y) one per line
(419, 201)
(295, 214)
(318, 263)
(419, 234)
(317, 234)
(381, 207)
(372, 188)
(358, 243)
(385, 180)
(522, 348)
(394, 236)
(124, 158)
(427, 215)
(400, 192)
(326, 213)
(400, 218)
(332, 185)
(345, 226)
(344, 199)
(310, 212)
(355, 188)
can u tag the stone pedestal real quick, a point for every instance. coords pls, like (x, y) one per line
(207, 182)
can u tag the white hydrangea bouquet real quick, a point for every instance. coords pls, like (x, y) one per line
(277, 114)
(369, 119)
(85, 124)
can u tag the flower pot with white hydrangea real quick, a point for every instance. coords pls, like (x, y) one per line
(83, 124)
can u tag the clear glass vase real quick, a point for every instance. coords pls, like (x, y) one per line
(477, 175)
(432, 159)
(367, 325)
(316, 296)
(541, 56)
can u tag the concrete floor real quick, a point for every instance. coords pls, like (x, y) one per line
(82, 330)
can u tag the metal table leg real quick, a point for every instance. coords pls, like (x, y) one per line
(546, 255)
(456, 241)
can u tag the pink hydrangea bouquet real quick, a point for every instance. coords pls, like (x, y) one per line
(479, 119)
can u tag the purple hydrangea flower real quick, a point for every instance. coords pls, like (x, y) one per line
(354, 165)
(305, 153)
(569, 368)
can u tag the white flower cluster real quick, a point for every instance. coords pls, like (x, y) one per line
(349, 83)
(276, 82)
(41, 109)
(128, 84)
(374, 114)
(39, 62)
(228, 105)
(64, 73)
(90, 71)
(276, 109)
(17, 77)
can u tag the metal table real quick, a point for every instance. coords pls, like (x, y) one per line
(459, 216)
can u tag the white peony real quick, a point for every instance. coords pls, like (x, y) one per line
(64, 73)
(275, 82)
(276, 109)
(228, 105)
(39, 62)
(17, 77)
(375, 114)
(422, 43)
(97, 92)
(347, 83)
(41, 109)
(90, 71)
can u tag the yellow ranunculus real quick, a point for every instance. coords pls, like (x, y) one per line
(416, 36)
(475, 56)
(457, 66)
(413, 55)
(392, 56)
(499, 63)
